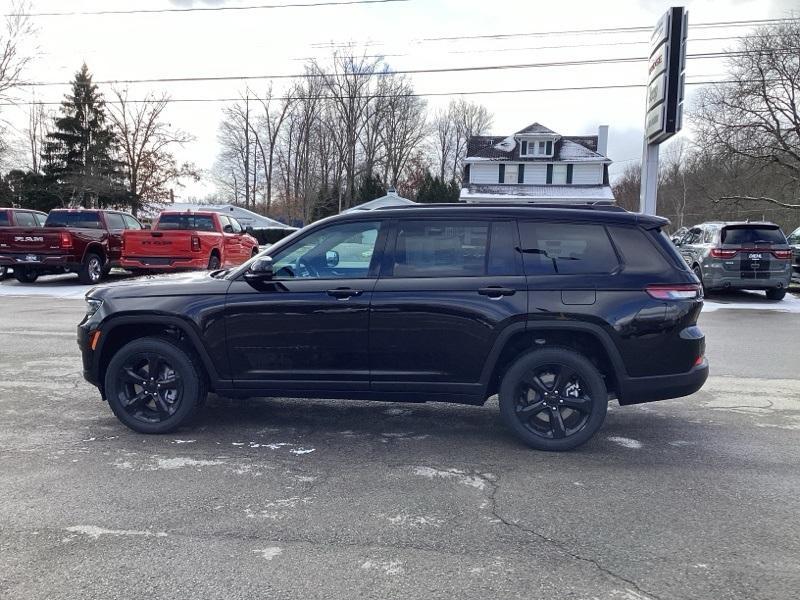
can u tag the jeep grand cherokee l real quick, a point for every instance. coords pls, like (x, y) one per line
(554, 309)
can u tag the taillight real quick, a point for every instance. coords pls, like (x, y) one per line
(66, 240)
(782, 254)
(720, 253)
(195, 243)
(689, 291)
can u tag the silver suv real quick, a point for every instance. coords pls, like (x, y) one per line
(794, 241)
(736, 255)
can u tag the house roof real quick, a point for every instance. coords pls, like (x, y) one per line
(536, 128)
(572, 148)
(532, 193)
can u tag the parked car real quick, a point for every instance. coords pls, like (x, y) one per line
(86, 242)
(736, 255)
(188, 240)
(555, 309)
(18, 217)
(793, 240)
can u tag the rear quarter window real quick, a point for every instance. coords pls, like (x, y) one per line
(566, 249)
(638, 250)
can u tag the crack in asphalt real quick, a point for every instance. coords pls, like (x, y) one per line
(495, 488)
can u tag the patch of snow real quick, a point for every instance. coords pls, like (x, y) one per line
(390, 567)
(392, 412)
(407, 520)
(752, 301)
(302, 450)
(507, 144)
(269, 553)
(183, 441)
(461, 477)
(95, 532)
(180, 462)
(626, 442)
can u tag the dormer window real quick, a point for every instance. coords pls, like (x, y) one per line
(539, 148)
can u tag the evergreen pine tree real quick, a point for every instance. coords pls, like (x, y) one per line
(79, 154)
(370, 188)
(435, 190)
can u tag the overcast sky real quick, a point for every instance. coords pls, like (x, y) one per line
(274, 41)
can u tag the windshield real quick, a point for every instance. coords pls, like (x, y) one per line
(79, 219)
(186, 223)
(752, 234)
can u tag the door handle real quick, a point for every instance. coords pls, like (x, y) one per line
(344, 293)
(495, 291)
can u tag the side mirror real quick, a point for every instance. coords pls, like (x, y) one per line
(227, 229)
(331, 258)
(260, 269)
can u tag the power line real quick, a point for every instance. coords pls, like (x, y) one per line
(407, 95)
(383, 73)
(135, 11)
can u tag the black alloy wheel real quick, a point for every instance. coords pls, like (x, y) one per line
(91, 270)
(553, 399)
(154, 385)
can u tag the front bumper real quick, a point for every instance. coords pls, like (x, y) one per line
(636, 390)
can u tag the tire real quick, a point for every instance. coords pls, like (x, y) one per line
(91, 271)
(213, 262)
(3, 273)
(776, 293)
(254, 252)
(24, 275)
(530, 391)
(154, 406)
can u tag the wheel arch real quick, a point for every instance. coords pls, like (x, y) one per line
(586, 338)
(123, 329)
(95, 248)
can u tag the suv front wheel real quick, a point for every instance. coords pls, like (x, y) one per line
(553, 399)
(153, 385)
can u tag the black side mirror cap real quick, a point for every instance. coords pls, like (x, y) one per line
(260, 269)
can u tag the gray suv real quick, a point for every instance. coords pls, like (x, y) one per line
(735, 255)
(794, 241)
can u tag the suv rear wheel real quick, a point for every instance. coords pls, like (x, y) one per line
(776, 293)
(553, 399)
(154, 385)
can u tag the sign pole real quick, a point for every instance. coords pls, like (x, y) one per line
(649, 185)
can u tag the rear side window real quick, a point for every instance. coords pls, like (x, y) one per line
(752, 234)
(25, 219)
(79, 219)
(186, 222)
(441, 249)
(566, 249)
(637, 249)
(4, 222)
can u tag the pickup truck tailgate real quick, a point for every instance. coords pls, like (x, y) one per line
(157, 243)
(29, 239)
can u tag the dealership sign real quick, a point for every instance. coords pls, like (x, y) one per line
(665, 76)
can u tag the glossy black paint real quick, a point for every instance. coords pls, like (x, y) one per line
(413, 338)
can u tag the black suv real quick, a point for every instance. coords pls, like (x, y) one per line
(555, 309)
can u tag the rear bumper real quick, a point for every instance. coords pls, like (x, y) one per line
(163, 263)
(41, 262)
(637, 390)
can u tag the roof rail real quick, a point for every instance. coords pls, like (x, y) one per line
(599, 205)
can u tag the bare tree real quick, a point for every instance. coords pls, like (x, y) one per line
(13, 56)
(146, 143)
(270, 123)
(39, 121)
(470, 119)
(756, 117)
(443, 141)
(404, 126)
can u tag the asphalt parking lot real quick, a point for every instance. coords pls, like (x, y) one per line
(278, 498)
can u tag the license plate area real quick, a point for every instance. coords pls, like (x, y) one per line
(754, 264)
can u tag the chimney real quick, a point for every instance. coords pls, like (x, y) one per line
(602, 140)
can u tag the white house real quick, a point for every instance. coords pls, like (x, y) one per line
(536, 164)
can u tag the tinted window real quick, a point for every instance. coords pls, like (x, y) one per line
(25, 219)
(337, 251)
(4, 222)
(566, 249)
(794, 237)
(752, 234)
(40, 219)
(502, 259)
(186, 222)
(115, 221)
(83, 218)
(638, 250)
(131, 223)
(441, 249)
(694, 236)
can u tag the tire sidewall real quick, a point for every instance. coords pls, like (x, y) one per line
(84, 274)
(179, 360)
(588, 373)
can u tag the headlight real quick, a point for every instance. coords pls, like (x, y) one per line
(92, 306)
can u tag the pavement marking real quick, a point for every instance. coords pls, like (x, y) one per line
(626, 442)
(95, 532)
(269, 553)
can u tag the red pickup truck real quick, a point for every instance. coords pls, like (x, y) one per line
(86, 242)
(188, 240)
(19, 217)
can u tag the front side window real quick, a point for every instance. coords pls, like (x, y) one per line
(237, 228)
(131, 223)
(566, 249)
(40, 219)
(115, 221)
(341, 251)
(441, 249)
